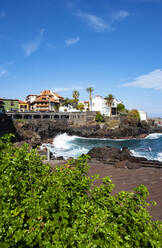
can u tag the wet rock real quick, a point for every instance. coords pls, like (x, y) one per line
(109, 154)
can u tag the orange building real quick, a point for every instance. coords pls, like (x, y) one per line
(46, 101)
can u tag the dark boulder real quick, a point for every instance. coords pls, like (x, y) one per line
(109, 154)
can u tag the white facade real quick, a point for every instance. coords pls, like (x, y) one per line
(99, 104)
(143, 115)
(71, 109)
(68, 109)
(31, 98)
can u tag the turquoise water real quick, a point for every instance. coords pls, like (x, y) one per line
(73, 146)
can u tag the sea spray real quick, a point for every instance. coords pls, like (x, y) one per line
(64, 146)
(73, 146)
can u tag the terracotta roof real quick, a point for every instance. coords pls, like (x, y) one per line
(46, 93)
(50, 93)
(45, 99)
(58, 95)
(22, 102)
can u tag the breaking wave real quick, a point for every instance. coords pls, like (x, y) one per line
(154, 136)
(73, 146)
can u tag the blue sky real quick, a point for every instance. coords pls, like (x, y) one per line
(114, 46)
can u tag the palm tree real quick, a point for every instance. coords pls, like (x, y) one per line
(76, 98)
(109, 101)
(76, 94)
(90, 90)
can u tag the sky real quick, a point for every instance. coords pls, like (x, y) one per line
(114, 46)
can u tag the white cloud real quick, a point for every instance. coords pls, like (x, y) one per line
(120, 15)
(2, 15)
(98, 24)
(3, 72)
(95, 22)
(69, 89)
(33, 46)
(72, 41)
(152, 80)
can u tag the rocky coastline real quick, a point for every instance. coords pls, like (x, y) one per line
(36, 132)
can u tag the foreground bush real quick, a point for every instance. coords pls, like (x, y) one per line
(44, 208)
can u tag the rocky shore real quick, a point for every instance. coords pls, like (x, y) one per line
(36, 132)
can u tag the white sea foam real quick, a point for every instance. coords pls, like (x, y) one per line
(84, 138)
(159, 156)
(62, 141)
(69, 146)
(64, 146)
(142, 153)
(154, 136)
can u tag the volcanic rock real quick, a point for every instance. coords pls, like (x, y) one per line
(109, 154)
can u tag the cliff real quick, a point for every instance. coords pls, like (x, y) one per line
(36, 132)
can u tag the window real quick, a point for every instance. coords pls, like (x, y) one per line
(12, 103)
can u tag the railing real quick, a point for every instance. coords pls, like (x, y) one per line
(79, 116)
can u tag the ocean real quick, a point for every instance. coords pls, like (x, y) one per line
(73, 146)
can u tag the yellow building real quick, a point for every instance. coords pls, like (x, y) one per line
(23, 106)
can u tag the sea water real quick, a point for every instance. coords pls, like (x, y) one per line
(73, 146)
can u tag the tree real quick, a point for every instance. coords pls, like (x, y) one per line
(133, 114)
(66, 102)
(90, 90)
(76, 94)
(109, 101)
(120, 107)
(76, 98)
(46, 208)
(99, 117)
(80, 106)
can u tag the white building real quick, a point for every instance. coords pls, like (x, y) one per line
(143, 115)
(68, 109)
(99, 104)
(71, 109)
(31, 98)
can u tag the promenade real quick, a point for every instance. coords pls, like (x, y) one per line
(127, 180)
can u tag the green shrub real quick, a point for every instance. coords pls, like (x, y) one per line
(133, 114)
(120, 107)
(80, 106)
(99, 117)
(41, 208)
